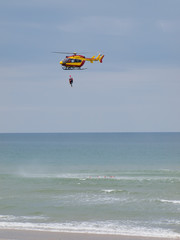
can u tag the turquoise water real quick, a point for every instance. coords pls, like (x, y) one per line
(113, 183)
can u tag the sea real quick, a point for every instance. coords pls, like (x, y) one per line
(102, 183)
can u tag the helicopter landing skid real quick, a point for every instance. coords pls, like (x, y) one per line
(73, 68)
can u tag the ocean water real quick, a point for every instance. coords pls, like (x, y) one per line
(105, 183)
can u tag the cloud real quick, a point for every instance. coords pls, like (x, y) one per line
(100, 25)
(135, 100)
(26, 72)
(169, 26)
(32, 3)
(18, 24)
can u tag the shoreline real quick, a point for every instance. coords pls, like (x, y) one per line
(9, 234)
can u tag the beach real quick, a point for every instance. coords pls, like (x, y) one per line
(42, 235)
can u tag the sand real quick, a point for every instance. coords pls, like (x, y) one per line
(39, 235)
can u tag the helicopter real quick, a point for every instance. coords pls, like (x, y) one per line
(76, 61)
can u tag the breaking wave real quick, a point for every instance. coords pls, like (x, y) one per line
(98, 227)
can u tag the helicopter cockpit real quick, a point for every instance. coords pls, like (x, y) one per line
(69, 60)
(65, 60)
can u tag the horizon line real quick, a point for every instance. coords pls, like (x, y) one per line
(104, 132)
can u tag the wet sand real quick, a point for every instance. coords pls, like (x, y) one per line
(39, 235)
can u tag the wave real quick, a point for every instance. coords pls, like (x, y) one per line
(113, 191)
(10, 218)
(130, 176)
(170, 201)
(99, 227)
(87, 200)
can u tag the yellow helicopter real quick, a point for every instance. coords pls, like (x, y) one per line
(76, 61)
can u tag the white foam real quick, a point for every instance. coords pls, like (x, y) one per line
(112, 190)
(10, 218)
(109, 190)
(107, 227)
(170, 201)
(140, 177)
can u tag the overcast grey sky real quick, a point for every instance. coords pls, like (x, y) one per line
(137, 88)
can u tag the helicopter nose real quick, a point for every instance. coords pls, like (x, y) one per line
(61, 62)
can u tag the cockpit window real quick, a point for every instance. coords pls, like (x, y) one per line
(65, 60)
(69, 60)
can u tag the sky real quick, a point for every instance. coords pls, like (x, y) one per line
(135, 89)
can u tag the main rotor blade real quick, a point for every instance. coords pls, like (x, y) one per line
(75, 53)
(63, 52)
